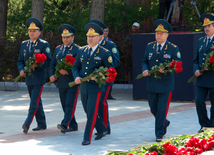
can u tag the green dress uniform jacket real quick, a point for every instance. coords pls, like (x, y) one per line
(38, 76)
(36, 80)
(90, 90)
(152, 57)
(68, 95)
(111, 46)
(84, 66)
(63, 80)
(206, 79)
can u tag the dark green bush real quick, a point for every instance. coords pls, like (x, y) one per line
(118, 17)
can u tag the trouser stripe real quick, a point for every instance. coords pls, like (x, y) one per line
(105, 107)
(95, 114)
(74, 106)
(168, 103)
(37, 102)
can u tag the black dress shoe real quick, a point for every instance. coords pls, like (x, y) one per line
(25, 128)
(107, 132)
(39, 128)
(71, 129)
(200, 130)
(62, 128)
(111, 98)
(158, 139)
(165, 129)
(86, 142)
(100, 135)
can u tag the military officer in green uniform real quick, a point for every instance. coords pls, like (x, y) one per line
(88, 59)
(35, 81)
(159, 91)
(111, 46)
(205, 83)
(68, 95)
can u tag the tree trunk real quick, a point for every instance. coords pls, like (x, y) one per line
(175, 14)
(37, 10)
(131, 3)
(3, 18)
(84, 3)
(97, 10)
(140, 2)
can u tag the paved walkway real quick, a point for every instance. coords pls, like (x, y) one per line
(131, 124)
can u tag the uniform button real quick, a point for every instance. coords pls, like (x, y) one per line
(156, 60)
(86, 67)
(85, 73)
(155, 76)
(87, 62)
(204, 53)
(202, 63)
(96, 62)
(203, 58)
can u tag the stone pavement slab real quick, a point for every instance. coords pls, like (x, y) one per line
(131, 124)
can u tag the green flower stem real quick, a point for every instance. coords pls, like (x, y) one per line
(87, 78)
(49, 83)
(17, 79)
(150, 72)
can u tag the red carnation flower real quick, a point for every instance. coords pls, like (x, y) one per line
(211, 60)
(172, 63)
(178, 64)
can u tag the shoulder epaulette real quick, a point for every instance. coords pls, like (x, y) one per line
(111, 41)
(173, 44)
(81, 47)
(201, 38)
(58, 46)
(104, 48)
(77, 45)
(24, 41)
(43, 41)
(150, 43)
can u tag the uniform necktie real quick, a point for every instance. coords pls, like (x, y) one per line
(66, 50)
(89, 52)
(32, 47)
(209, 43)
(159, 48)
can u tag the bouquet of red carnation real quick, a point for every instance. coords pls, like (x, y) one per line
(167, 67)
(208, 64)
(37, 60)
(101, 76)
(66, 64)
(112, 73)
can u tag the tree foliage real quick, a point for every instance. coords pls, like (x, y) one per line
(118, 16)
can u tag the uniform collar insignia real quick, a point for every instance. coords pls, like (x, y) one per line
(166, 47)
(71, 48)
(104, 42)
(85, 49)
(153, 46)
(98, 50)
